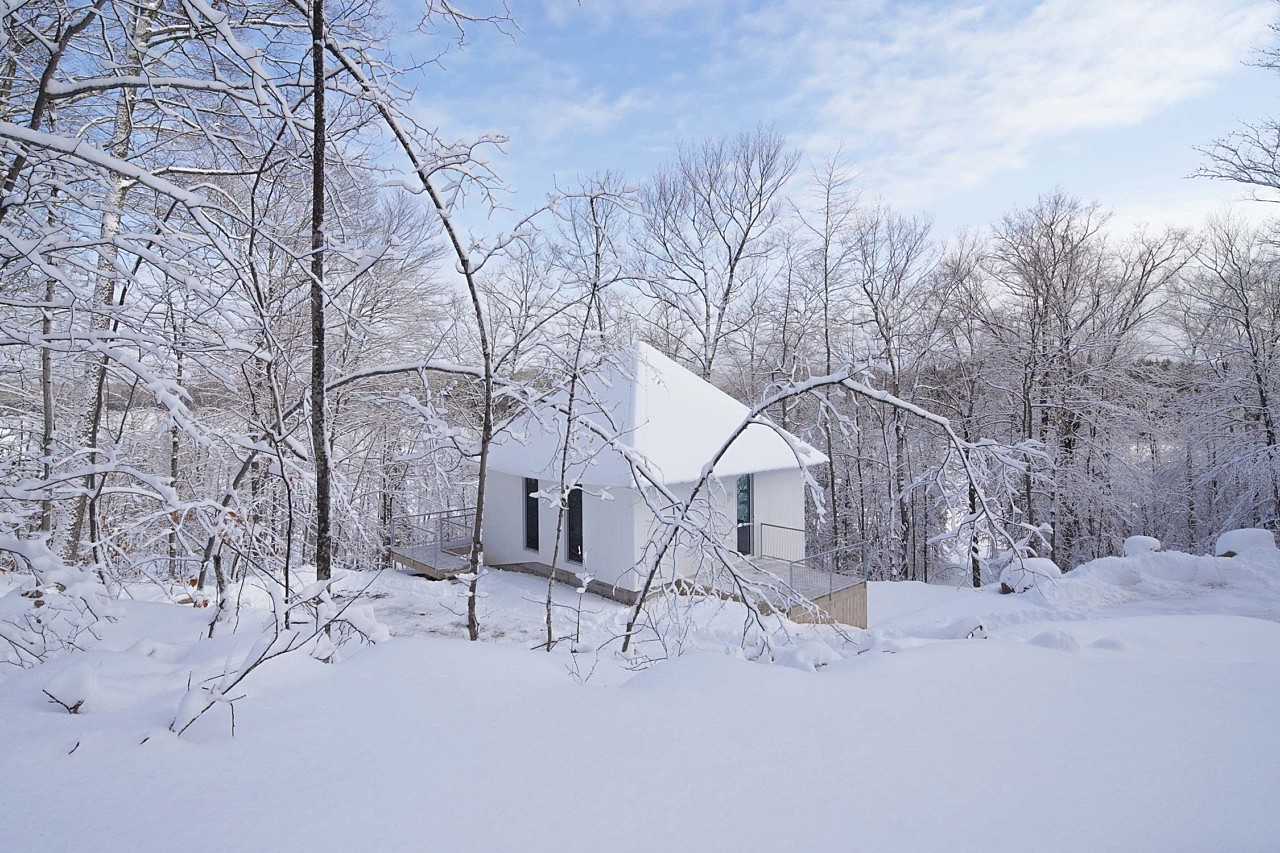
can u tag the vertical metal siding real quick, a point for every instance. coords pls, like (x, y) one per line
(780, 499)
(504, 519)
(608, 535)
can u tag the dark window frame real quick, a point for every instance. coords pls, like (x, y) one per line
(532, 541)
(573, 547)
(745, 526)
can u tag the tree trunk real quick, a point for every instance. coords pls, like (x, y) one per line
(975, 565)
(174, 433)
(319, 439)
(46, 399)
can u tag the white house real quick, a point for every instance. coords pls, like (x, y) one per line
(671, 423)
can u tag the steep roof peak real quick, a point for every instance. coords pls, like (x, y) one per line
(656, 410)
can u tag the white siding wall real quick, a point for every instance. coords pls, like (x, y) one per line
(717, 510)
(504, 521)
(616, 531)
(608, 540)
(608, 536)
(643, 527)
(779, 499)
(713, 510)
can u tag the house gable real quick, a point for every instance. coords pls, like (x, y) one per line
(659, 412)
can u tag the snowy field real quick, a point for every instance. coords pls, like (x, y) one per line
(1129, 706)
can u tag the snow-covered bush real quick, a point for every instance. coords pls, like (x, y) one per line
(1136, 545)
(1027, 573)
(53, 610)
(74, 686)
(1248, 539)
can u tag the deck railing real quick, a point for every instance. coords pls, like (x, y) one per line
(443, 529)
(781, 543)
(835, 568)
(839, 568)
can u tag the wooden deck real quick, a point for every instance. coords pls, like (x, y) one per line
(431, 561)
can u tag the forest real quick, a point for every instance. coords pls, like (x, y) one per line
(252, 316)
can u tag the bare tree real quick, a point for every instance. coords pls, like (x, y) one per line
(1231, 308)
(706, 235)
(1250, 155)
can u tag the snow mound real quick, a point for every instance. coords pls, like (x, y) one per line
(1058, 640)
(75, 688)
(1242, 541)
(968, 627)
(1028, 573)
(1136, 545)
(1166, 576)
(807, 655)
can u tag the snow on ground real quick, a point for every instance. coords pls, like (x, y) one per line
(1128, 706)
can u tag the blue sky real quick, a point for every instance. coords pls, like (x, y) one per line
(964, 111)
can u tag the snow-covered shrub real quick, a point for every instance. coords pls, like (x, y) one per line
(1027, 573)
(74, 686)
(1136, 545)
(54, 610)
(323, 624)
(1235, 542)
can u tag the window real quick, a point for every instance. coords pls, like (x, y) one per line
(573, 536)
(744, 514)
(531, 514)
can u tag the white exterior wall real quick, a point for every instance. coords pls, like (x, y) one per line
(722, 492)
(608, 538)
(779, 499)
(616, 531)
(504, 522)
(715, 509)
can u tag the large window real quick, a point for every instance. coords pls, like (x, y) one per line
(573, 536)
(531, 514)
(744, 514)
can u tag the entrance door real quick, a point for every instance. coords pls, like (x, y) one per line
(573, 535)
(744, 514)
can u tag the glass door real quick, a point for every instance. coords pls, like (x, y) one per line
(573, 535)
(744, 514)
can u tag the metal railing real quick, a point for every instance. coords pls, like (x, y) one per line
(839, 568)
(831, 570)
(781, 543)
(443, 529)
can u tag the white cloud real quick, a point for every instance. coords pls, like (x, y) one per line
(939, 104)
(655, 15)
(1188, 206)
(935, 99)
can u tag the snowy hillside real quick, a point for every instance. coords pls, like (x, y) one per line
(1129, 706)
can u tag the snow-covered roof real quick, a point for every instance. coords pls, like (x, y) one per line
(657, 410)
